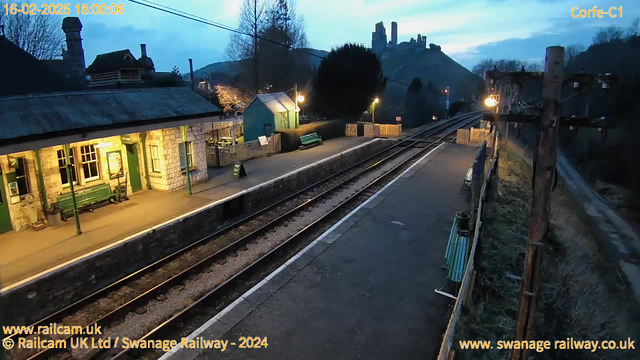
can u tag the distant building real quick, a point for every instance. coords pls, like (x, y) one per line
(394, 35)
(121, 67)
(379, 43)
(379, 38)
(268, 113)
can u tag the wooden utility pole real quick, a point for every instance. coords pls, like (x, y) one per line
(544, 168)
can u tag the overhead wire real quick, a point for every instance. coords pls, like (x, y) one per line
(186, 15)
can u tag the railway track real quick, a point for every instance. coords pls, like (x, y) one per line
(227, 259)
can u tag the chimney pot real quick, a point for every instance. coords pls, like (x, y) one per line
(143, 50)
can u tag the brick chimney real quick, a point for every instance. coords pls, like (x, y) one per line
(74, 55)
(149, 68)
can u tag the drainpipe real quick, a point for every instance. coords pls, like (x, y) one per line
(143, 141)
(73, 194)
(191, 74)
(43, 190)
(186, 157)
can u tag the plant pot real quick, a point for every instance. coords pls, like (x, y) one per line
(54, 219)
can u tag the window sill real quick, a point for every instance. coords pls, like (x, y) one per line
(156, 175)
(191, 169)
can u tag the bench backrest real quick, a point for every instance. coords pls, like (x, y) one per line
(85, 196)
(309, 138)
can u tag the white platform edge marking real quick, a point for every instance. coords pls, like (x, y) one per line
(230, 307)
(179, 218)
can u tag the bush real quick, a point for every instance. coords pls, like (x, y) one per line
(326, 129)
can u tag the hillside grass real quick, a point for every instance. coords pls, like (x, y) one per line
(582, 295)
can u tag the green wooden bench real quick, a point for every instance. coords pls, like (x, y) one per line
(310, 140)
(84, 198)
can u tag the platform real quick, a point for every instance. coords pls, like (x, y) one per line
(28, 253)
(365, 288)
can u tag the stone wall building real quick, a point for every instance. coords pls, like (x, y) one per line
(133, 137)
(380, 46)
(379, 38)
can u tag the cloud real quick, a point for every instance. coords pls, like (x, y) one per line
(469, 30)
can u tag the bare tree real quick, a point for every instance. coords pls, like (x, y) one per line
(281, 64)
(39, 35)
(245, 47)
(572, 51)
(231, 98)
(504, 65)
(634, 28)
(608, 34)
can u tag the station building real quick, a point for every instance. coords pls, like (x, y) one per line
(267, 114)
(114, 137)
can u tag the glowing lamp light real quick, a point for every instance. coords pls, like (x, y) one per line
(300, 98)
(490, 102)
(376, 100)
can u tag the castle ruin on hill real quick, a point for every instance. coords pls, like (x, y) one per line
(380, 45)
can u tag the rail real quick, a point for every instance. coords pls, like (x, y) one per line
(121, 310)
(163, 330)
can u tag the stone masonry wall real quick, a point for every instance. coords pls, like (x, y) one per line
(172, 138)
(19, 211)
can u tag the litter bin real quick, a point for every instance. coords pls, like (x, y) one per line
(463, 220)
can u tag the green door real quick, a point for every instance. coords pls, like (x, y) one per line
(5, 219)
(134, 167)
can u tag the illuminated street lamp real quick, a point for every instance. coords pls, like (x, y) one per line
(490, 102)
(373, 110)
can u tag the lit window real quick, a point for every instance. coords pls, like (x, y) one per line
(155, 158)
(89, 162)
(21, 176)
(62, 165)
(181, 147)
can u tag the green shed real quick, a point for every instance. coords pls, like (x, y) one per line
(268, 113)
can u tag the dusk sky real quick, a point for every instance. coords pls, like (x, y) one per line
(468, 31)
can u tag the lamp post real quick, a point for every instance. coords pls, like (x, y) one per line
(446, 91)
(373, 110)
(298, 98)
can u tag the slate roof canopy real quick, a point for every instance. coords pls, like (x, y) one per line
(276, 102)
(56, 114)
(113, 61)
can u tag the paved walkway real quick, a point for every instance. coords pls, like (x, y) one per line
(620, 238)
(29, 252)
(365, 288)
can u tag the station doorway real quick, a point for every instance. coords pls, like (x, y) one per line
(134, 167)
(5, 218)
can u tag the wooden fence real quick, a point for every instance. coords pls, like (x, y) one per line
(390, 129)
(223, 156)
(480, 184)
(351, 130)
(377, 130)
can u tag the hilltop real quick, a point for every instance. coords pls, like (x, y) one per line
(226, 71)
